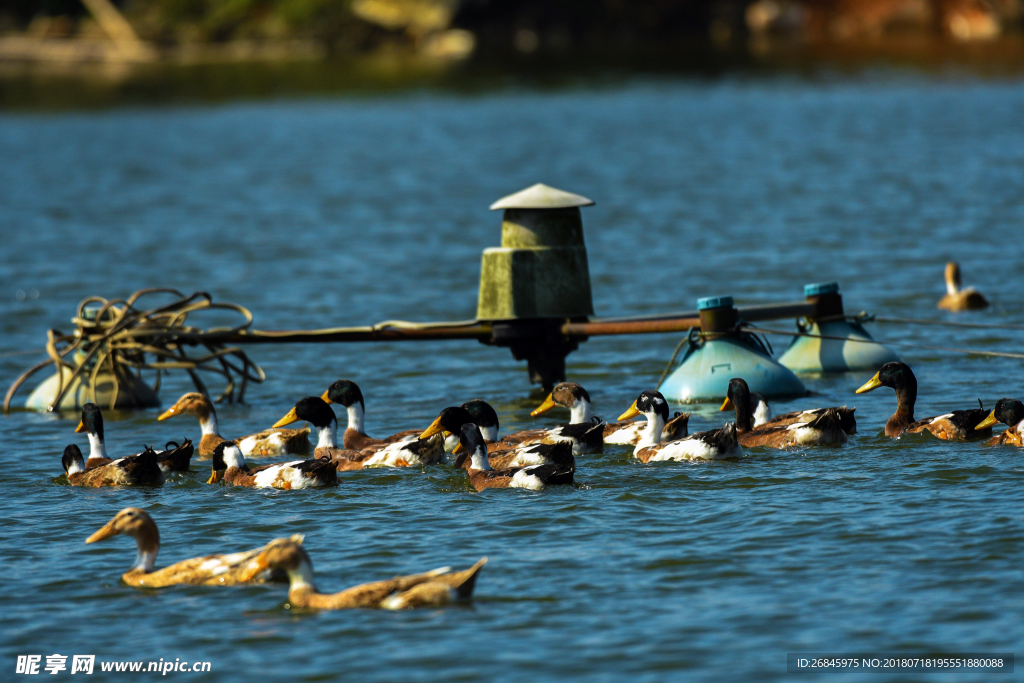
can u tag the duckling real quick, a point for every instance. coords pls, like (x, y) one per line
(818, 427)
(715, 444)
(957, 299)
(133, 470)
(430, 589)
(229, 467)
(92, 424)
(534, 477)
(346, 393)
(398, 454)
(956, 425)
(1010, 412)
(212, 570)
(269, 442)
(500, 455)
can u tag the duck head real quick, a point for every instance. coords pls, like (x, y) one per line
(567, 395)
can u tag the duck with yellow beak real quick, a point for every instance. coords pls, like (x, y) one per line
(346, 393)
(271, 442)
(815, 427)
(715, 444)
(313, 409)
(212, 570)
(430, 589)
(1010, 412)
(501, 455)
(957, 425)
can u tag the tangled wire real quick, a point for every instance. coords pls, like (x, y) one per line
(120, 337)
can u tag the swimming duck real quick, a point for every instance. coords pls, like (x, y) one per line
(346, 393)
(430, 589)
(175, 458)
(957, 299)
(558, 471)
(132, 470)
(269, 442)
(212, 570)
(92, 425)
(229, 467)
(412, 453)
(818, 427)
(956, 425)
(1010, 412)
(715, 444)
(500, 454)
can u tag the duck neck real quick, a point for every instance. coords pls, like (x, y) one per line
(149, 545)
(208, 424)
(580, 411)
(96, 447)
(327, 436)
(480, 461)
(356, 415)
(301, 578)
(490, 434)
(762, 413)
(651, 434)
(75, 466)
(906, 397)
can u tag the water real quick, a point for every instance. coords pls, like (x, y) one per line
(320, 213)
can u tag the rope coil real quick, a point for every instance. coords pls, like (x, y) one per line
(118, 337)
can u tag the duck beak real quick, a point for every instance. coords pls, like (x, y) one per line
(326, 398)
(170, 412)
(434, 428)
(988, 421)
(80, 428)
(106, 531)
(214, 478)
(258, 565)
(458, 448)
(287, 419)
(544, 407)
(726, 404)
(631, 413)
(871, 384)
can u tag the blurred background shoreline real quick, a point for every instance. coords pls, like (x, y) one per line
(60, 54)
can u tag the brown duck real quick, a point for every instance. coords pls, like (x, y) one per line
(212, 570)
(132, 470)
(817, 427)
(430, 589)
(957, 425)
(1010, 412)
(270, 442)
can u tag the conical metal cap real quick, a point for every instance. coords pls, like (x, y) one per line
(541, 196)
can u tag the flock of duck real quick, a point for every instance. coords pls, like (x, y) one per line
(532, 459)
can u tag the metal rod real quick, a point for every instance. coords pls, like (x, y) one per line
(345, 334)
(682, 321)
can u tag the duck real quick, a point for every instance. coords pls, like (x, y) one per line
(714, 444)
(413, 453)
(1010, 412)
(500, 454)
(430, 589)
(473, 458)
(170, 459)
(271, 442)
(586, 437)
(816, 427)
(212, 570)
(347, 393)
(92, 424)
(229, 467)
(175, 458)
(132, 470)
(957, 425)
(957, 299)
